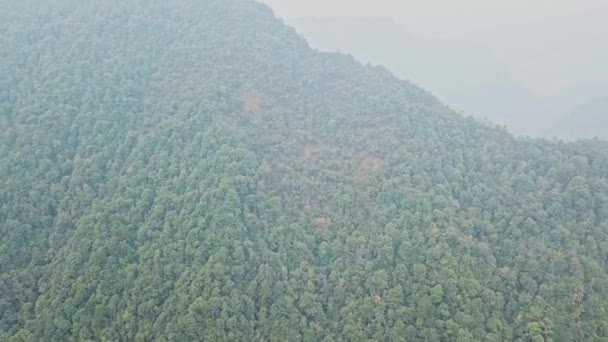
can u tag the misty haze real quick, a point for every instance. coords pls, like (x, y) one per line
(234, 170)
(529, 66)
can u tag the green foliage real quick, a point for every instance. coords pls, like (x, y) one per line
(184, 170)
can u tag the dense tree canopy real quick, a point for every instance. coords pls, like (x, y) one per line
(180, 170)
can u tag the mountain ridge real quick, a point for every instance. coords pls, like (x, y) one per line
(466, 76)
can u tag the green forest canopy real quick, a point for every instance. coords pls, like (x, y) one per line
(182, 170)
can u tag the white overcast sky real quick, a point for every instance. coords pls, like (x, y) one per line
(548, 44)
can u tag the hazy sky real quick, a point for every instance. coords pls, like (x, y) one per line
(547, 44)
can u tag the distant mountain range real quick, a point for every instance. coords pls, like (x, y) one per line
(466, 76)
(586, 121)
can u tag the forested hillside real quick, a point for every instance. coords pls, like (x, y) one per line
(182, 170)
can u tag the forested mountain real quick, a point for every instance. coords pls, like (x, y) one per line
(183, 170)
(467, 77)
(586, 121)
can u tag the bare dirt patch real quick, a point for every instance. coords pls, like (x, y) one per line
(252, 102)
(310, 151)
(368, 166)
(323, 224)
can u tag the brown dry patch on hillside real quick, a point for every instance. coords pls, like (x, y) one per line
(323, 224)
(313, 202)
(310, 205)
(369, 165)
(265, 167)
(310, 151)
(252, 102)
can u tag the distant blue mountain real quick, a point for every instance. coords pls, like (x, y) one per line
(465, 76)
(589, 120)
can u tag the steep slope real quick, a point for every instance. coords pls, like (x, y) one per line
(185, 170)
(586, 121)
(467, 77)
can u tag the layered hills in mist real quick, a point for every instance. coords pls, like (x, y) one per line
(587, 120)
(467, 77)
